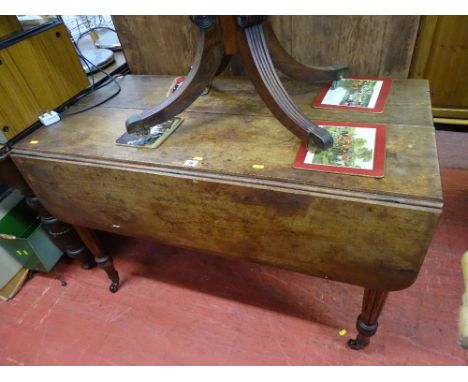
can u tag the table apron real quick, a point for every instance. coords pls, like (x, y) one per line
(374, 244)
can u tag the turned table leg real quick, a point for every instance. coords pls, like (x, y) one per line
(366, 324)
(103, 261)
(62, 234)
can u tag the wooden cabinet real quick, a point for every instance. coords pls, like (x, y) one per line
(9, 24)
(441, 56)
(38, 72)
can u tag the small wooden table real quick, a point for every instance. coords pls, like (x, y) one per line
(364, 231)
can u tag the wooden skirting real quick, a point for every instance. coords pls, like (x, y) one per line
(451, 121)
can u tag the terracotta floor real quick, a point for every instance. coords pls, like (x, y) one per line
(184, 308)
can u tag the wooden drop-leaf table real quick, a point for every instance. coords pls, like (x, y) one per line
(243, 198)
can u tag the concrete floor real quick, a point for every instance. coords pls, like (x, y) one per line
(177, 307)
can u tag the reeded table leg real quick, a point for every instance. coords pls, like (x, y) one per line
(366, 324)
(103, 261)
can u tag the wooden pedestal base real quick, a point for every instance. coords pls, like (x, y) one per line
(219, 38)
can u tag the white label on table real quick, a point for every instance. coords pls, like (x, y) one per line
(190, 163)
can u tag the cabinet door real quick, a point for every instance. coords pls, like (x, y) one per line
(18, 106)
(441, 57)
(50, 66)
(37, 74)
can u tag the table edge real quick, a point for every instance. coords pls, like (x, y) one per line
(434, 204)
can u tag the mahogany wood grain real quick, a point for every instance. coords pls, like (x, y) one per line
(364, 231)
(134, 189)
(229, 125)
(228, 28)
(309, 232)
(406, 104)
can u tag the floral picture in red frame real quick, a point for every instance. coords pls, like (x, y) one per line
(360, 94)
(358, 149)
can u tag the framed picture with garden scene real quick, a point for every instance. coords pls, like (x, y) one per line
(358, 149)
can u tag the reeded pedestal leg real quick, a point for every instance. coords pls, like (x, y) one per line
(261, 71)
(366, 324)
(103, 261)
(210, 59)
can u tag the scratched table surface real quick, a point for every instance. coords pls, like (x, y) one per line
(235, 132)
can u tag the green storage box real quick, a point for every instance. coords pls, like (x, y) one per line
(22, 236)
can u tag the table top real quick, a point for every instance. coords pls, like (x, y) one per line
(232, 130)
